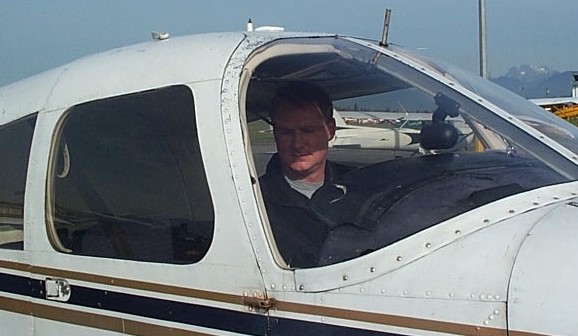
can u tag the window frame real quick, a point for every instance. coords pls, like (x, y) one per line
(54, 157)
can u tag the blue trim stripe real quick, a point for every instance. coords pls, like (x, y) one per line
(166, 310)
(20, 285)
(179, 312)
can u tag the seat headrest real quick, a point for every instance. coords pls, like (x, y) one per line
(438, 136)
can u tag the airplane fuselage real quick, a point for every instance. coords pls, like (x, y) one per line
(131, 202)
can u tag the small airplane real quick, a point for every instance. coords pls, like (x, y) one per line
(355, 135)
(130, 201)
(398, 131)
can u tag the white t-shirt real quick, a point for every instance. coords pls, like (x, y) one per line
(306, 188)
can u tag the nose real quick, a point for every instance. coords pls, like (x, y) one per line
(299, 140)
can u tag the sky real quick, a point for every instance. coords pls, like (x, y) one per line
(36, 35)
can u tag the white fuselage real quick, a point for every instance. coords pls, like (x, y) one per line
(506, 267)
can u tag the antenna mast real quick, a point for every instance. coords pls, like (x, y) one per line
(483, 39)
(383, 42)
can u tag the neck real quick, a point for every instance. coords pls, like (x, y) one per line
(317, 175)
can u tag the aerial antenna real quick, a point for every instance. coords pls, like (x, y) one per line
(483, 40)
(160, 36)
(383, 41)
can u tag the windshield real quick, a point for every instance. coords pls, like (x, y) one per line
(532, 114)
(398, 152)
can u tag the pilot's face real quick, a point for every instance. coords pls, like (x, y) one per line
(302, 135)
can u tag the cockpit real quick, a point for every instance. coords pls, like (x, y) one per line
(470, 148)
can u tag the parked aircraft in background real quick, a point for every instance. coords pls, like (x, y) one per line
(130, 200)
(356, 135)
(397, 131)
(563, 107)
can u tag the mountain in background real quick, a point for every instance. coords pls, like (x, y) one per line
(533, 81)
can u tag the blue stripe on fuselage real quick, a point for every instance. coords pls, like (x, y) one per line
(179, 312)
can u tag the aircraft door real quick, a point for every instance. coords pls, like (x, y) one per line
(137, 238)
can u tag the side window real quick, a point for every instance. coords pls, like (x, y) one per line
(15, 141)
(128, 180)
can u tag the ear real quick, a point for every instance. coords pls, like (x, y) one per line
(330, 123)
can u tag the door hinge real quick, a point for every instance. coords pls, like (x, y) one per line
(260, 304)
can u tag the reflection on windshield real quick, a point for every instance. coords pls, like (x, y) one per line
(533, 115)
(417, 152)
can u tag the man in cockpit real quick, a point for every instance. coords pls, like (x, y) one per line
(303, 124)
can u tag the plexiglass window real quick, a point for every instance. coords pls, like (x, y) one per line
(15, 142)
(128, 181)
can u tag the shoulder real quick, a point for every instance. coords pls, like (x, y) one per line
(272, 172)
(336, 170)
(273, 183)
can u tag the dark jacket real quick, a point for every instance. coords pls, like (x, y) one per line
(298, 231)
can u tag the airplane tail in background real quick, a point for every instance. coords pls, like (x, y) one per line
(339, 121)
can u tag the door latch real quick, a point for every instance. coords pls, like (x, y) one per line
(57, 289)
